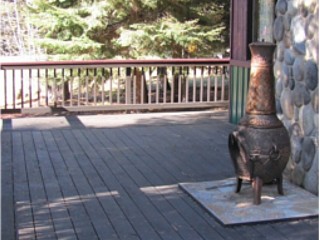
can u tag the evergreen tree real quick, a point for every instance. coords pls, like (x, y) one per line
(73, 29)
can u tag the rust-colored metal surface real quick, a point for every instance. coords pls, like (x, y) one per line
(260, 144)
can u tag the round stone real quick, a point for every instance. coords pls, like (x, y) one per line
(285, 75)
(277, 69)
(310, 4)
(288, 57)
(312, 26)
(286, 102)
(292, 8)
(295, 130)
(297, 175)
(308, 152)
(280, 51)
(286, 122)
(278, 29)
(311, 180)
(287, 40)
(289, 168)
(311, 74)
(298, 30)
(281, 6)
(298, 69)
(303, 10)
(301, 95)
(315, 101)
(287, 22)
(292, 84)
(306, 119)
(278, 108)
(296, 114)
(316, 120)
(312, 49)
(300, 47)
(279, 88)
(296, 148)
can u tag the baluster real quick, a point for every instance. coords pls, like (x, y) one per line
(63, 87)
(46, 87)
(110, 88)
(157, 86)
(208, 85)
(102, 86)
(179, 84)
(150, 85)
(118, 90)
(22, 88)
(30, 88)
(142, 86)
(13, 89)
(194, 84)
(38, 83)
(71, 87)
(173, 85)
(134, 85)
(79, 86)
(87, 87)
(5, 90)
(222, 82)
(164, 72)
(215, 83)
(95, 86)
(128, 86)
(201, 84)
(54, 87)
(187, 85)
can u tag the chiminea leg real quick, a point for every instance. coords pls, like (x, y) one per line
(279, 185)
(239, 182)
(257, 185)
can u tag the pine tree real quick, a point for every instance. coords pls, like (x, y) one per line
(73, 29)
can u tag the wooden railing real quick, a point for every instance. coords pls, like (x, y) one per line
(114, 84)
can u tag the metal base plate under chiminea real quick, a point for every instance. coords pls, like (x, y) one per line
(260, 144)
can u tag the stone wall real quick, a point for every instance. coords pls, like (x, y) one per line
(297, 86)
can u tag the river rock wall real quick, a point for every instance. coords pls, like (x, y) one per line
(296, 34)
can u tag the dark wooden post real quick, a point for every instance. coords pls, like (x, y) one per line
(242, 33)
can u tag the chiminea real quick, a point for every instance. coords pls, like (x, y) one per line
(260, 144)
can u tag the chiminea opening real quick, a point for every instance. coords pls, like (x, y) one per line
(260, 146)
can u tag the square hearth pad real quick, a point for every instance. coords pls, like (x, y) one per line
(231, 208)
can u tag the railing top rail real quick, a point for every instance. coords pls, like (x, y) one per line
(114, 63)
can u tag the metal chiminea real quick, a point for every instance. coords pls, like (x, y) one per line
(260, 144)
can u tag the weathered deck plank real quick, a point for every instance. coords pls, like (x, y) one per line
(78, 180)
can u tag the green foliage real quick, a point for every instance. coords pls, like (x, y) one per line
(169, 38)
(131, 28)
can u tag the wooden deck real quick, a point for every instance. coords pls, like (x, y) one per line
(116, 176)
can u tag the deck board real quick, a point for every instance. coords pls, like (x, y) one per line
(119, 179)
